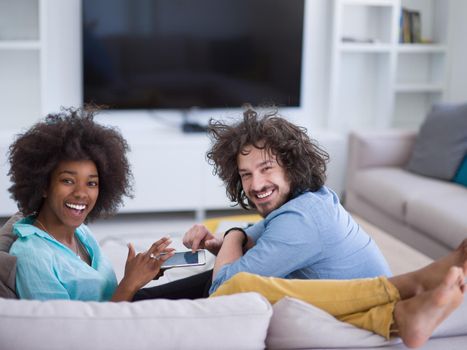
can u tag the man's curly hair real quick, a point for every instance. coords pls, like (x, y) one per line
(70, 135)
(303, 160)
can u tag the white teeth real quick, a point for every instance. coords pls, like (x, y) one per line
(75, 206)
(264, 195)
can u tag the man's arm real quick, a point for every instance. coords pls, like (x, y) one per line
(231, 249)
(288, 243)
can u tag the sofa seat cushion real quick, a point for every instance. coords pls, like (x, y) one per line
(116, 250)
(230, 322)
(442, 217)
(391, 188)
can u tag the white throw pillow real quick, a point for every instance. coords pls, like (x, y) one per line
(298, 325)
(230, 322)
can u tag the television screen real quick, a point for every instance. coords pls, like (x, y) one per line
(177, 54)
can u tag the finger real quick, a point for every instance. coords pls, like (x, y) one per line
(160, 248)
(190, 235)
(131, 251)
(195, 244)
(163, 241)
(161, 256)
(168, 250)
(186, 241)
(165, 256)
(155, 250)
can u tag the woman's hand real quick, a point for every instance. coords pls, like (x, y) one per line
(141, 268)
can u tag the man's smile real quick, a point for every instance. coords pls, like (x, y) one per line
(264, 194)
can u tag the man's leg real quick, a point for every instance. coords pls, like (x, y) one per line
(371, 304)
(193, 287)
(430, 276)
(364, 303)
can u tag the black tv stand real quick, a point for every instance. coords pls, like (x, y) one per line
(190, 127)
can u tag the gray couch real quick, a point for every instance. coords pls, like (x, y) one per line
(426, 213)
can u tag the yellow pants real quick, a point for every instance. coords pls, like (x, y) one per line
(365, 303)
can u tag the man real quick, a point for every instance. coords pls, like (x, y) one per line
(271, 165)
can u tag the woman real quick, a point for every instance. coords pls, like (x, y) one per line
(65, 171)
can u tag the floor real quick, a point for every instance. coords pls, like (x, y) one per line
(400, 256)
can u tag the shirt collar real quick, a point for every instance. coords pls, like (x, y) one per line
(25, 227)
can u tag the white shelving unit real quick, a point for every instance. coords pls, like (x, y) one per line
(22, 58)
(377, 81)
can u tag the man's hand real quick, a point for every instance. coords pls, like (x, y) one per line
(199, 237)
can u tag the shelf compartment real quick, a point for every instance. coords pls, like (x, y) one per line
(366, 24)
(19, 20)
(19, 86)
(362, 91)
(427, 70)
(433, 16)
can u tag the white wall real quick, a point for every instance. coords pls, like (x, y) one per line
(457, 88)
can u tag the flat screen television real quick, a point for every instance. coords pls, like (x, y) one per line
(180, 54)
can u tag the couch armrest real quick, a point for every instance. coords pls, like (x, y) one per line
(378, 148)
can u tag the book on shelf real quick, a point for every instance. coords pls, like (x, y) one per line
(410, 30)
(415, 27)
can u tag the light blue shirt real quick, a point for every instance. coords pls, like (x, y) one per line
(46, 269)
(310, 237)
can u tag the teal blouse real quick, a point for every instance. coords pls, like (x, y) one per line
(46, 269)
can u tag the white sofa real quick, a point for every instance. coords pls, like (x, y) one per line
(242, 321)
(426, 213)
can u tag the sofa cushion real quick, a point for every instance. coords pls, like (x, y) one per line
(230, 322)
(6, 236)
(461, 174)
(7, 261)
(7, 276)
(296, 324)
(442, 217)
(390, 189)
(299, 325)
(441, 143)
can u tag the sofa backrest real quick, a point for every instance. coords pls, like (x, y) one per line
(237, 321)
(7, 261)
